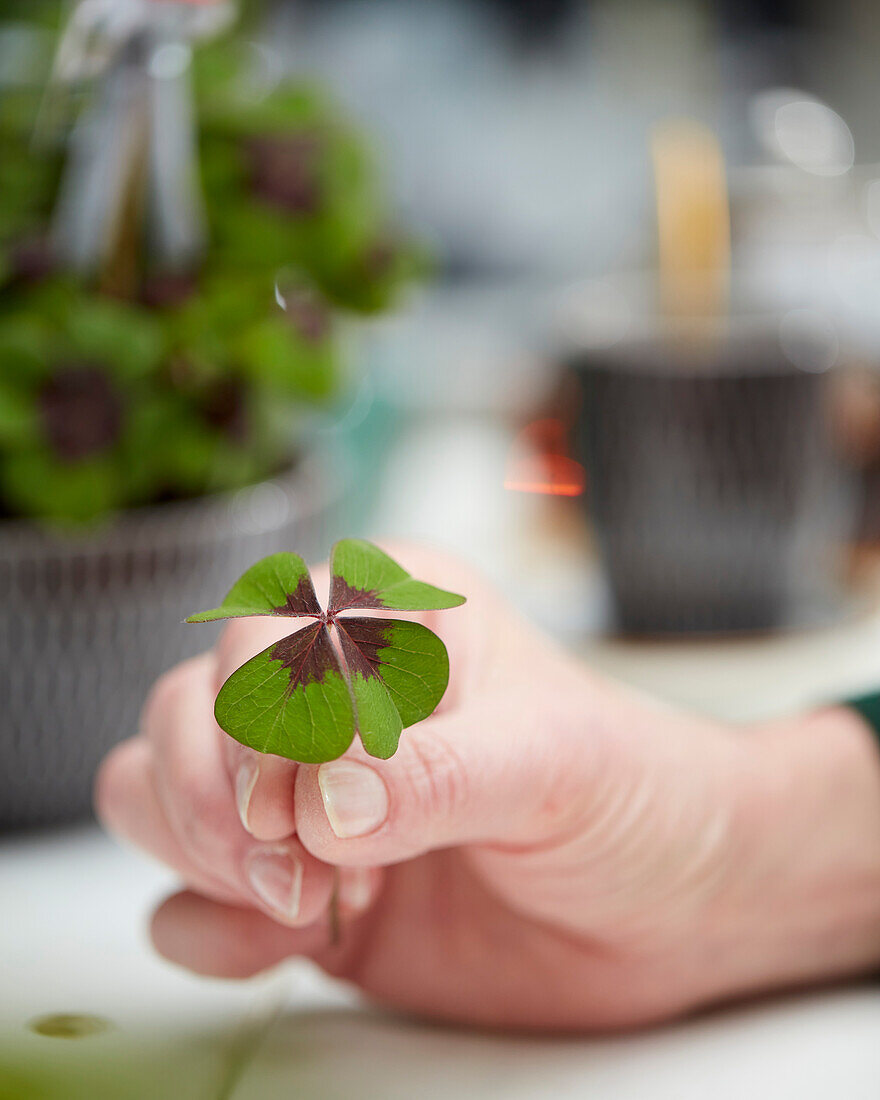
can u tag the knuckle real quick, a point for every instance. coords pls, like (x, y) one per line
(107, 782)
(200, 808)
(196, 794)
(204, 832)
(437, 776)
(207, 835)
(166, 695)
(114, 794)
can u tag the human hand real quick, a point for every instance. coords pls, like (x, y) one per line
(547, 851)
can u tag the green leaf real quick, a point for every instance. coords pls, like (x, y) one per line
(19, 418)
(305, 696)
(296, 699)
(291, 700)
(399, 671)
(125, 338)
(277, 585)
(36, 484)
(363, 576)
(24, 349)
(275, 354)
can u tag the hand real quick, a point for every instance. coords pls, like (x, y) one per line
(548, 850)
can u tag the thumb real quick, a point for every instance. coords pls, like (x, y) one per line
(512, 770)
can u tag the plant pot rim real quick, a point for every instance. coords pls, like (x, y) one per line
(613, 317)
(295, 492)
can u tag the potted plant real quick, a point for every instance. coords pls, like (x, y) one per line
(157, 378)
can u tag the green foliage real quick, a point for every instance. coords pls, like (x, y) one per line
(307, 695)
(279, 581)
(364, 576)
(211, 372)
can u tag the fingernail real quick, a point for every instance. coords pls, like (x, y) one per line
(355, 798)
(245, 780)
(355, 888)
(276, 876)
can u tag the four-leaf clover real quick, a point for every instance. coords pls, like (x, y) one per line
(307, 695)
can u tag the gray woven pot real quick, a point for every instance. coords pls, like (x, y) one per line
(86, 625)
(716, 495)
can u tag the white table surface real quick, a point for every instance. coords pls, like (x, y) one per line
(74, 939)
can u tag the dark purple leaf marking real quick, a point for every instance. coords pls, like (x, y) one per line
(224, 407)
(344, 595)
(379, 259)
(308, 655)
(362, 642)
(81, 412)
(302, 601)
(308, 316)
(32, 259)
(285, 171)
(168, 289)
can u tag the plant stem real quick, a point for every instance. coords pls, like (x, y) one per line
(333, 912)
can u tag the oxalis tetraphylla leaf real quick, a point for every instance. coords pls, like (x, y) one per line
(306, 696)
